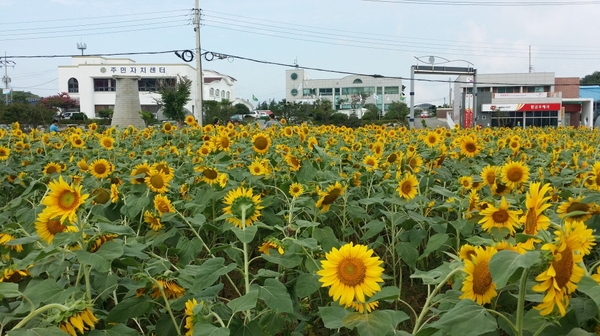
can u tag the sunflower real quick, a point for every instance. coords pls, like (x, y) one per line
(465, 181)
(189, 316)
(100, 196)
(163, 167)
(83, 165)
(361, 306)
(432, 139)
(5, 238)
(209, 175)
(76, 141)
(514, 174)
(572, 205)
(157, 181)
(52, 168)
(142, 168)
(499, 189)
(168, 127)
(93, 127)
(415, 162)
(114, 193)
(296, 189)
(467, 252)
(593, 177)
(371, 162)
(469, 147)
(98, 241)
(329, 196)
(4, 153)
(162, 204)
(239, 199)
(271, 243)
(78, 322)
(408, 186)
(107, 142)
(488, 175)
(48, 226)
(13, 275)
(261, 143)
(535, 202)
(293, 162)
(256, 168)
(478, 285)
(170, 287)
(500, 217)
(190, 120)
(351, 273)
(100, 168)
(222, 142)
(63, 200)
(152, 221)
(378, 148)
(560, 279)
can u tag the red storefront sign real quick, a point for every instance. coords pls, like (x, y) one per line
(522, 107)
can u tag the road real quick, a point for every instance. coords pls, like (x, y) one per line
(431, 123)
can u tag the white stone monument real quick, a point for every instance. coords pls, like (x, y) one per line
(127, 103)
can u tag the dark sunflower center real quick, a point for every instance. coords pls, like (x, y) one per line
(67, 199)
(370, 162)
(432, 139)
(351, 272)
(563, 265)
(225, 142)
(515, 174)
(597, 180)
(54, 226)
(163, 169)
(51, 169)
(406, 187)
(157, 181)
(482, 279)
(210, 174)
(100, 169)
(261, 143)
(500, 188)
(576, 206)
(257, 169)
(295, 190)
(140, 171)
(531, 222)
(500, 216)
(100, 196)
(107, 143)
(331, 196)
(470, 147)
(490, 178)
(392, 158)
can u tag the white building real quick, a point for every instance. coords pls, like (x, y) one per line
(89, 79)
(340, 91)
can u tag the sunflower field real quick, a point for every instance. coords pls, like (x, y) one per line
(299, 230)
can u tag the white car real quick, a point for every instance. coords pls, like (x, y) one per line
(424, 114)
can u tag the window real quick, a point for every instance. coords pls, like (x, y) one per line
(357, 81)
(217, 92)
(309, 92)
(73, 85)
(227, 94)
(508, 89)
(212, 92)
(392, 90)
(147, 84)
(326, 92)
(535, 89)
(104, 84)
(294, 76)
(294, 92)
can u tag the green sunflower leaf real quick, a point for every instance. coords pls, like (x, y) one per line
(248, 301)
(333, 316)
(385, 294)
(376, 323)
(47, 331)
(276, 296)
(590, 287)
(505, 263)
(247, 235)
(467, 318)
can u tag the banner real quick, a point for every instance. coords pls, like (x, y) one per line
(521, 107)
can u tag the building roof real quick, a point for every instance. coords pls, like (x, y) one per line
(591, 91)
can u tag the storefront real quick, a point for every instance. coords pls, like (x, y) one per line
(526, 114)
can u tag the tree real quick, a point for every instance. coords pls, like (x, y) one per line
(106, 113)
(23, 97)
(241, 109)
(148, 118)
(593, 79)
(398, 111)
(174, 97)
(372, 108)
(370, 115)
(60, 102)
(27, 114)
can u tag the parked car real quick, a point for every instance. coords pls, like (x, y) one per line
(73, 115)
(424, 114)
(240, 117)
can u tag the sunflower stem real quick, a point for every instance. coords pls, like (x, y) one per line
(521, 302)
(504, 318)
(430, 297)
(167, 305)
(88, 287)
(246, 262)
(39, 311)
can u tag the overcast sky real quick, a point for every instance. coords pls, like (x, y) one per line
(370, 37)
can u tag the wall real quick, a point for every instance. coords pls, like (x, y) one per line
(569, 86)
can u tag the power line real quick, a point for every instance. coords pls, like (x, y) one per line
(490, 3)
(98, 55)
(92, 17)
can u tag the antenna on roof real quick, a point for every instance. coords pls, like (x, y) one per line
(81, 46)
(296, 61)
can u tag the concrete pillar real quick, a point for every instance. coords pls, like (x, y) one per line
(127, 103)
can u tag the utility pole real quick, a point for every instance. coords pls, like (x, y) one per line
(529, 59)
(199, 74)
(6, 80)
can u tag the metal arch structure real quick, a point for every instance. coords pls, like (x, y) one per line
(438, 67)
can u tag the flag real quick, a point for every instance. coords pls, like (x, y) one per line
(375, 96)
(254, 98)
